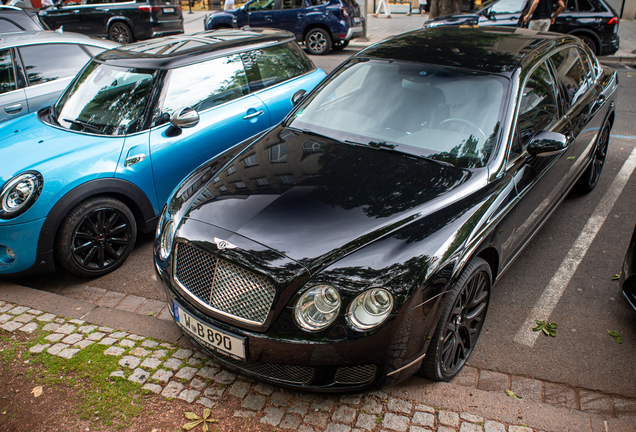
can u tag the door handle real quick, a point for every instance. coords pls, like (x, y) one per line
(134, 159)
(76, 11)
(268, 17)
(600, 100)
(253, 115)
(300, 16)
(13, 109)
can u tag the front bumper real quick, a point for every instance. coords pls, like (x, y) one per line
(22, 239)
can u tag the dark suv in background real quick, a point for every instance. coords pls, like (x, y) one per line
(320, 24)
(122, 22)
(593, 21)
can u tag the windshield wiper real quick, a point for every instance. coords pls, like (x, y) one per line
(394, 148)
(85, 126)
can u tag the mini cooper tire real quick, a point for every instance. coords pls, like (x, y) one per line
(461, 322)
(120, 32)
(96, 237)
(318, 42)
(591, 175)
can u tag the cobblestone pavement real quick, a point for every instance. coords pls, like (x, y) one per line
(175, 372)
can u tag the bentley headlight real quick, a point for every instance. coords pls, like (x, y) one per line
(317, 308)
(165, 242)
(19, 193)
(370, 309)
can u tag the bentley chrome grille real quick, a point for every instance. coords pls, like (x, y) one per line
(223, 287)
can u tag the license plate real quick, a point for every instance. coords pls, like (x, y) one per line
(168, 10)
(209, 336)
(356, 20)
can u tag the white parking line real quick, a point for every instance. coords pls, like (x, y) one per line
(553, 292)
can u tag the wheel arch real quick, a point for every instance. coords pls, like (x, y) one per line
(121, 19)
(322, 26)
(590, 34)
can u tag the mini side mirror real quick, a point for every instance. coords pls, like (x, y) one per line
(547, 144)
(298, 96)
(184, 118)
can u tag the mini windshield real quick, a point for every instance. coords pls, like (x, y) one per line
(105, 100)
(447, 114)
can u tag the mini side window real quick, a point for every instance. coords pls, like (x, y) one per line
(571, 75)
(292, 4)
(261, 5)
(269, 66)
(42, 62)
(7, 79)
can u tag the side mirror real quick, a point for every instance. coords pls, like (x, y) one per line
(298, 96)
(547, 144)
(184, 118)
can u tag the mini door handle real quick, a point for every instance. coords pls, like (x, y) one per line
(251, 116)
(13, 109)
(132, 160)
(300, 16)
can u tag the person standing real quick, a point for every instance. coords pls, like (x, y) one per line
(541, 12)
(383, 4)
(228, 5)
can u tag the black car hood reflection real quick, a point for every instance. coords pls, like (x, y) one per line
(314, 199)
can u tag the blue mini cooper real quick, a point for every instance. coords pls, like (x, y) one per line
(79, 179)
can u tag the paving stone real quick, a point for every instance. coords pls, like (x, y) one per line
(214, 392)
(186, 373)
(84, 343)
(105, 329)
(448, 418)
(344, 414)
(289, 422)
(51, 327)
(54, 337)
(118, 335)
(18, 310)
(263, 388)
(425, 408)
(519, 429)
(162, 375)
(149, 344)
(559, 395)
(395, 422)
(172, 363)
(317, 419)
(117, 374)
(91, 294)
(467, 377)
(107, 341)
(55, 349)
(151, 363)
(87, 329)
(24, 318)
(280, 399)
(200, 355)
(46, 317)
(351, 399)
(529, 389)
(470, 427)
(68, 353)
(6, 307)
(60, 320)
(159, 353)
(273, 416)
(35, 349)
(592, 402)
(335, 427)
(136, 338)
(225, 377)
(471, 418)
(298, 408)
(399, 405)
(126, 343)
(198, 384)
(139, 352)
(165, 314)
(254, 402)
(182, 354)
(167, 345)
(206, 402)
(34, 312)
(29, 328)
(131, 362)
(207, 372)
(323, 403)
(77, 321)
(73, 339)
(446, 429)
(371, 406)
(155, 388)
(95, 336)
(424, 419)
(492, 426)
(239, 389)
(193, 362)
(493, 381)
(66, 329)
(114, 351)
(12, 326)
(244, 414)
(189, 395)
(151, 307)
(172, 390)
(131, 303)
(110, 299)
(624, 408)
(418, 429)
(4, 318)
(379, 394)
(304, 428)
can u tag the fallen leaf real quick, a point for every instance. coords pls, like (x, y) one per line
(617, 338)
(37, 391)
(617, 276)
(548, 328)
(511, 394)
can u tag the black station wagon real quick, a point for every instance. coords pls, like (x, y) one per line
(358, 241)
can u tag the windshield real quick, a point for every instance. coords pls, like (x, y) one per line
(447, 114)
(106, 99)
(482, 5)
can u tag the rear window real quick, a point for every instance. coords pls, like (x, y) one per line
(42, 62)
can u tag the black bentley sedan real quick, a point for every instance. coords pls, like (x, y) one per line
(358, 241)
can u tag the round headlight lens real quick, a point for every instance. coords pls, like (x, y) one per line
(370, 309)
(165, 242)
(318, 308)
(19, 193)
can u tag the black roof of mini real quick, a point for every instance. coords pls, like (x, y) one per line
(488, 49)
(174, 51)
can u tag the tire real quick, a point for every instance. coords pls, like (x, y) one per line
(86, 244)
(340, 45)
(589, 178)
(590, 42)
(120, 32)
(318, 42)
(461, 321)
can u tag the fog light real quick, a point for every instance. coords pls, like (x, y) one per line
(7, 255)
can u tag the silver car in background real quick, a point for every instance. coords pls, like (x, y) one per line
(35, 67)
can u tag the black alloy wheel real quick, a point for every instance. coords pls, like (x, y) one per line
(592, 173)
(120, 32)
(460, 324)
(340, 45)
(318, 41)
(96, 237)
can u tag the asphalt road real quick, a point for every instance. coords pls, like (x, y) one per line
(582, 354)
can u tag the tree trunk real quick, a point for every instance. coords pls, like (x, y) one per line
(445, 7)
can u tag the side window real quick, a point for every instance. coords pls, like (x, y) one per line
(570, 6)
(269, 66)
(7, 79)
(537, 110)
(570, 75)
(292, 4)
(260, 5)
(507, 6)
(585, 6)
(7, 26)
(205, 85)
(587, 67)
(42, 62)
(319, 2)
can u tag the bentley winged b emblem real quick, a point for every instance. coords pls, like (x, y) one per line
(222, 244)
